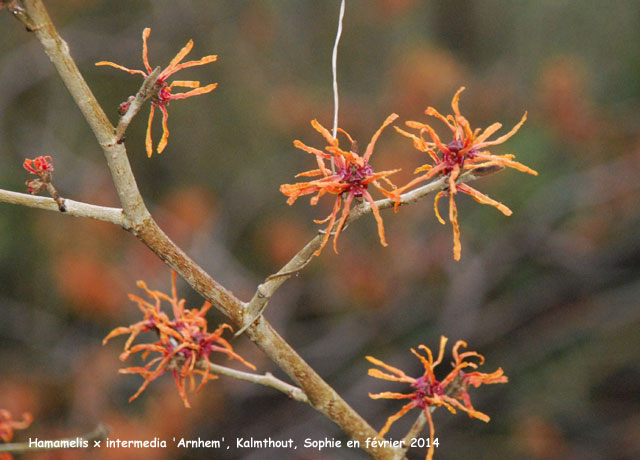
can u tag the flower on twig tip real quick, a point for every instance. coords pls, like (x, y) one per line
(466, 152)
(42, 167)
(8, 425)
(162, 91)
(428, 392)
(184, 343)
(349, 181)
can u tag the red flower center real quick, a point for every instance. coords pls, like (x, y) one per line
(354, 175)
(163, 93)
(425, 389)
(456, 154)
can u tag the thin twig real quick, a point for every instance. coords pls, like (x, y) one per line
(136, 104)
(415, 429)
(100, 433)
(72, 208)
(267, 379)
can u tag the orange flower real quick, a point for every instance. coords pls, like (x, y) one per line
(184, 344)
(350, 180)
(162, 91)
(451, 392)
(464, 152)
(8, 425)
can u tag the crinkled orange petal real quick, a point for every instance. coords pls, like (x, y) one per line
(435, 206)
(484, 199)
(422, 168)
(390, 119)
(340, 130)
(195, 92)
(116, 332)
(312, 173)
(145, 49)
(300, 145)
(380, 175)
(487, 133)
(165, 129)
(148, 142)
(325, 132)
(201, 61)
(334, 213)
(185, 84)
(436, 139)
(443, 344)
(492, 159)
(426, 363)
(418, 142)
(386, 366)
(469, 410)
(453, 177)
(343, 219)
(406, 408)
(478, 378)
(176, 60)
(503, 138)
(453, 218)
(434, 113)
(376, 214)
(455, 102)
(117, 66)
(432, 433)
(428, 175)
(392, 378)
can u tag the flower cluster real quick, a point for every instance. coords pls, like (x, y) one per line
(348, 179)
(162, 91)
(8, 425)
(465, 152)
(184, 343)
(428, 392)
(42, 167)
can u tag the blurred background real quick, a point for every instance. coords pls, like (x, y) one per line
(550, 293)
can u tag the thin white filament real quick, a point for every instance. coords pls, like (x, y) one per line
(334, 67)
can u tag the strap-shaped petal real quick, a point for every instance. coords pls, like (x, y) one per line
(176, 60)
(194, 92)
(201, 61)
(145, 50)
(390, 119)
(117, 66)
(165, 129)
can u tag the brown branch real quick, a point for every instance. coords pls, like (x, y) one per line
(267, 379)
(100, 433)
(72, 208)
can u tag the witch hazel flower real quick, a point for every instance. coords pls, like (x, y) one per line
(184, 345)
(427, 392)
(349, 180)
(162, 92)
(467, 151)
(42, 167)
(8, 425)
